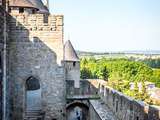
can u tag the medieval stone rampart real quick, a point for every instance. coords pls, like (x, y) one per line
(124, 107)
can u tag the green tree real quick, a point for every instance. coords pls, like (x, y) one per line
(143, 93)
(85, 73)
(105, 73)
(136, 91)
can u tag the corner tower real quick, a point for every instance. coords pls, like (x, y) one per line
(72, 64)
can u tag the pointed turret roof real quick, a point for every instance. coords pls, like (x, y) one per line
(39, 4)
(21, 3)
(69, 52)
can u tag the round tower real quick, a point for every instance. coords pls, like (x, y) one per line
(72, 64)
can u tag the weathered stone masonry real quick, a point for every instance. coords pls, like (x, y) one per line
(35, 48)
(124, 107)
(4, 81)
(1, 44)
(33, 28)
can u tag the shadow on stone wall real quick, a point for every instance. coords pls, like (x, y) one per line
(1, 41)
(3, 37)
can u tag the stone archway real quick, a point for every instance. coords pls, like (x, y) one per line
(33, 94)
(77, 111)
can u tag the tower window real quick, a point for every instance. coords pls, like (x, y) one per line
(9, 10)
(74, 64)
(33, 11)
(21, 10)
(137, 118)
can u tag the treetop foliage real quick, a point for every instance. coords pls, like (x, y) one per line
(120, 73)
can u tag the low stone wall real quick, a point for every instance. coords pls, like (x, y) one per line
(124, 107)
(85, 88)
(93, 113)
(100, 111)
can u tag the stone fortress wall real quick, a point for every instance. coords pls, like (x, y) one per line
(2, 11)
(124, 107)
(4, 81)
(36, 49)
(47, 28)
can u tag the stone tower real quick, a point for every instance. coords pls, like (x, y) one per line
(72, 64)
(36, 50)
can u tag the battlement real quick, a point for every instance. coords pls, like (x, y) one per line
(38, 27)
(36, 22)
(124, 107)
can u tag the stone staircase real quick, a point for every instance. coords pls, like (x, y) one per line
(34, 115)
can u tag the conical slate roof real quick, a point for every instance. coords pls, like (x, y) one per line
(69, 52)
(21, 3)
(39, 4)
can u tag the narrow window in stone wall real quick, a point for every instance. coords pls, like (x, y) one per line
(16, 20)
(21, 10)
(137, 118)
(116, 105)
(113, 99)
(45, 20)
(9, 10)
(33, 11)
(74, 64)
(121, 104)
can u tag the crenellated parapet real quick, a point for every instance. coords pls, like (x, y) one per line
(37, 22)
(37, 28)
(124, 107)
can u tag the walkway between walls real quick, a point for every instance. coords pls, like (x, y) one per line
(101, 111)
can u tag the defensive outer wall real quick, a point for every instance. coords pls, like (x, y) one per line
(123, 107)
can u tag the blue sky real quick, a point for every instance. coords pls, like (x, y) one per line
(110, 25)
